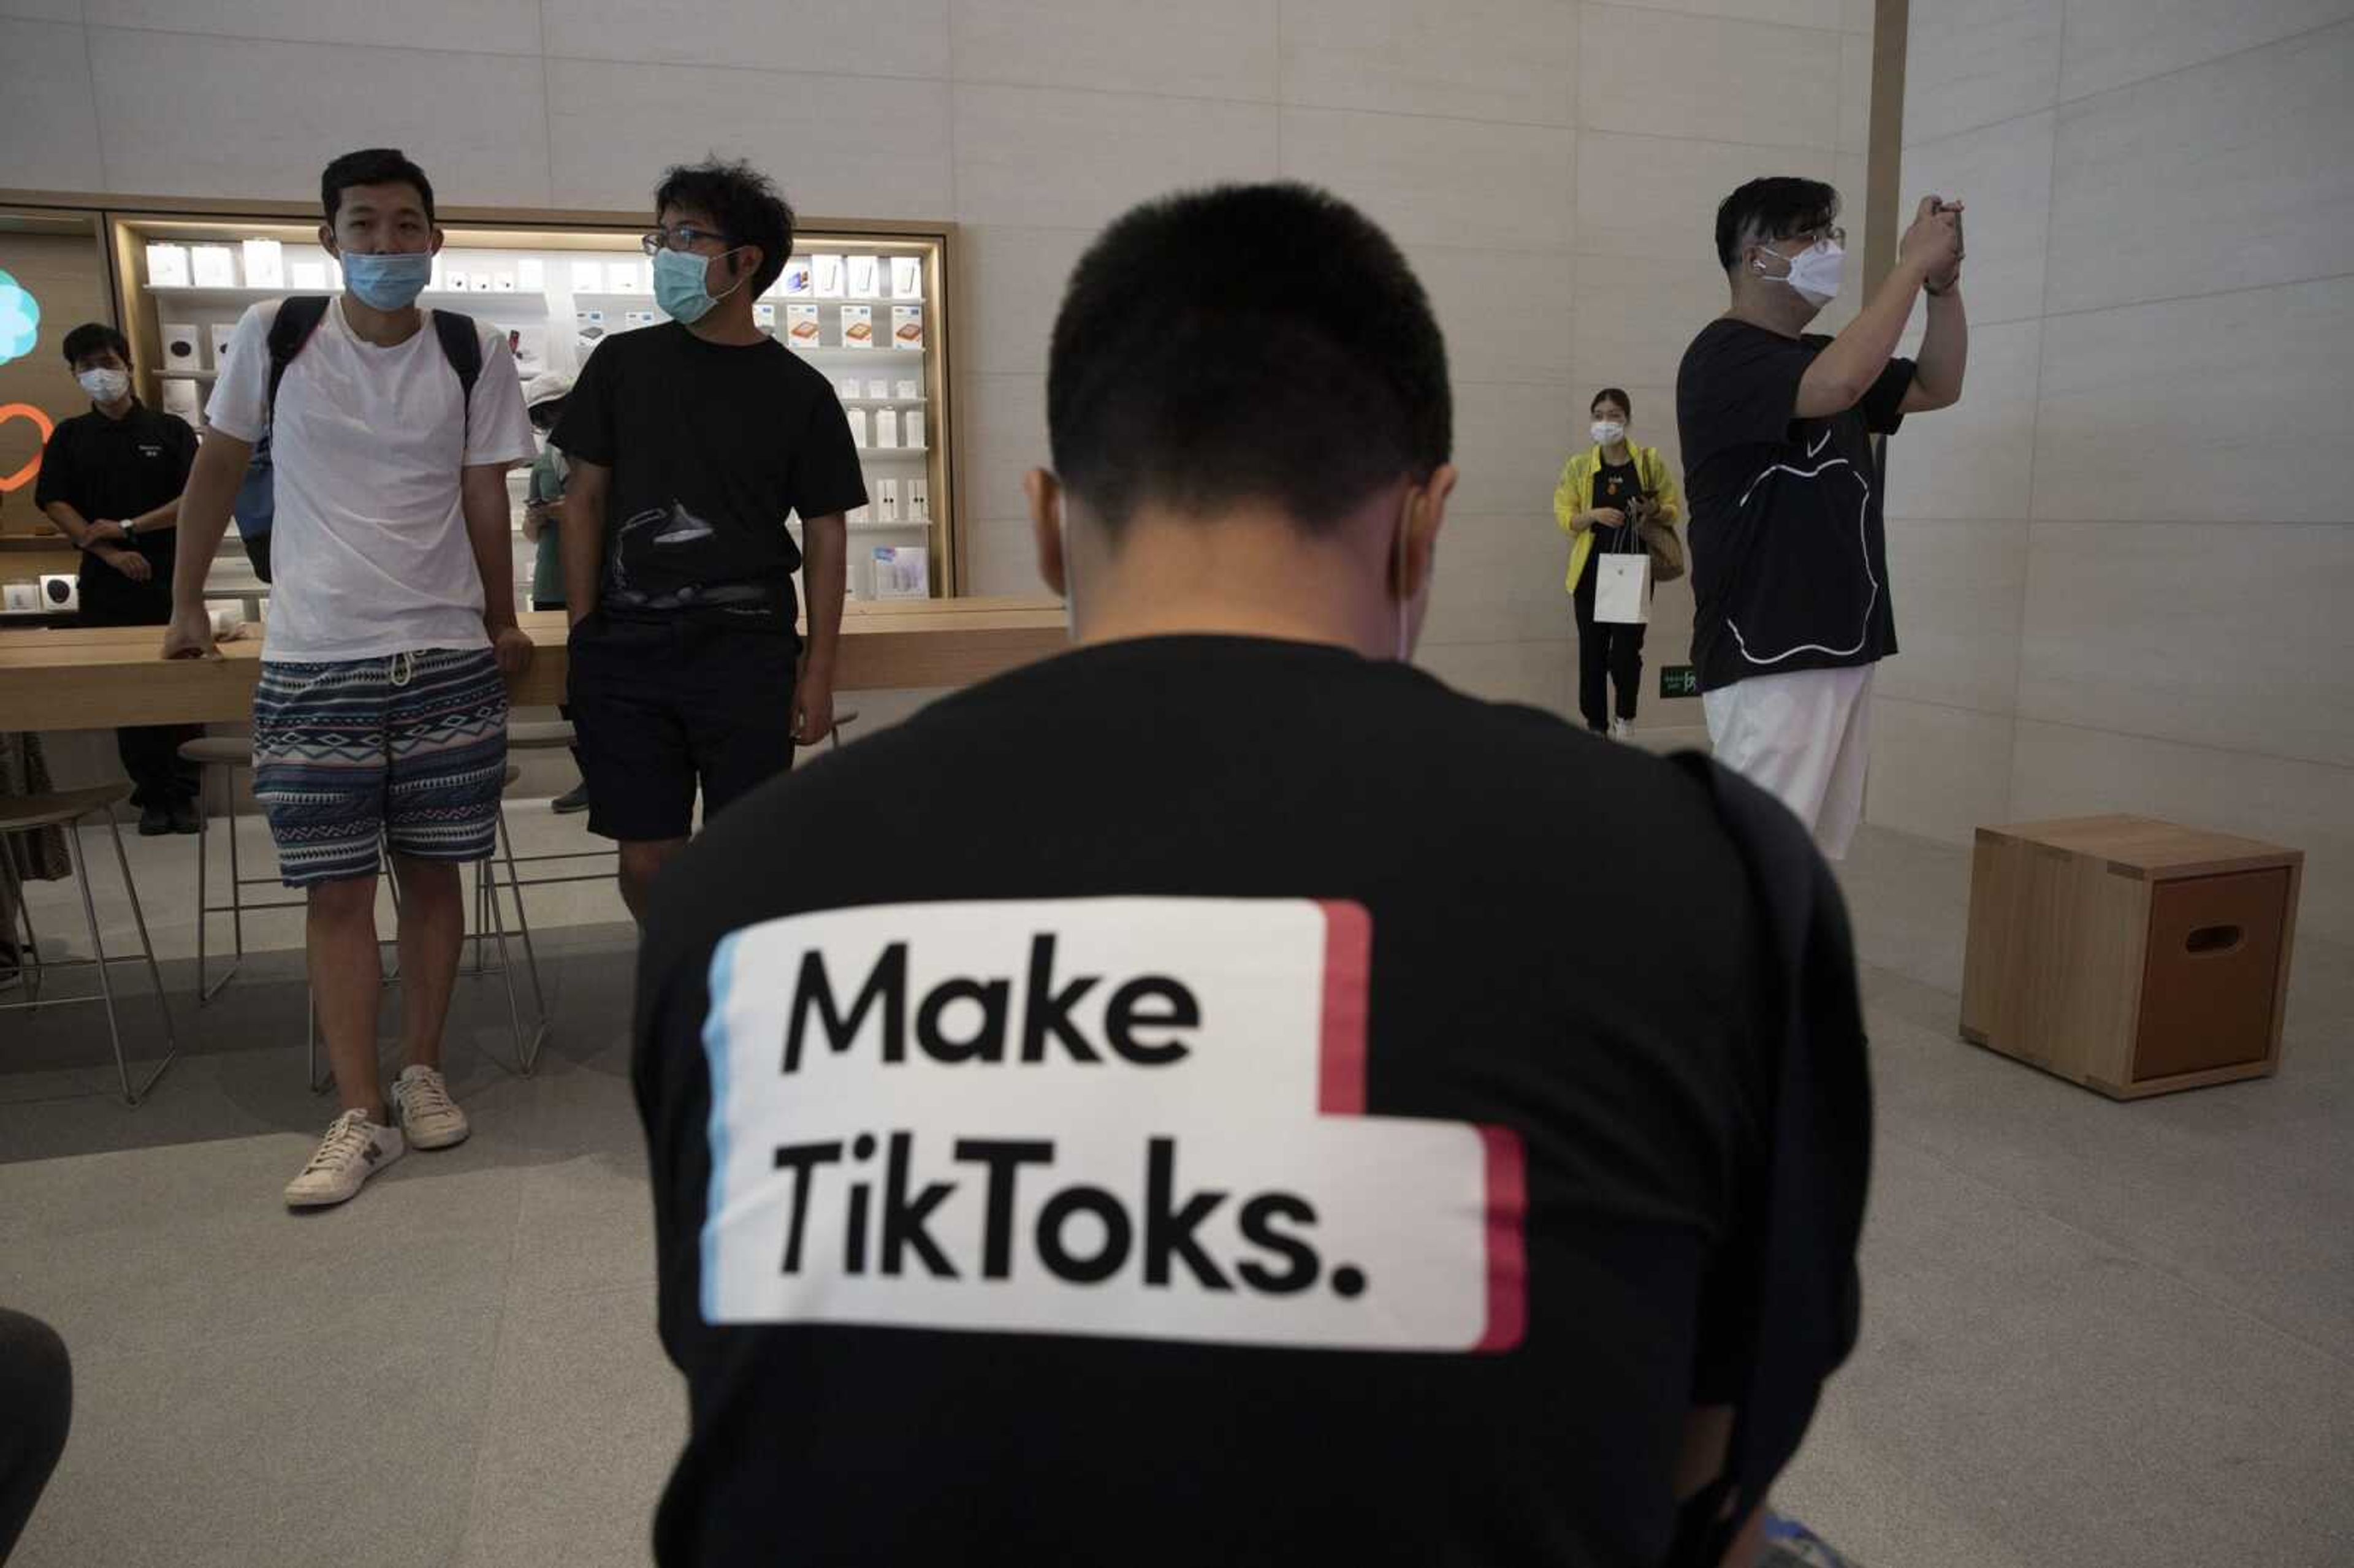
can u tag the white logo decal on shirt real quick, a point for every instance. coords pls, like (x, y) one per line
(1142, 1118)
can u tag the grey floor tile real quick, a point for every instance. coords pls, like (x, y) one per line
(332, 1445)
(2026, 1394)
(176, 1247)
(586, 1419)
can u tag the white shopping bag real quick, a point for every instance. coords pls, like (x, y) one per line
(1622, 588)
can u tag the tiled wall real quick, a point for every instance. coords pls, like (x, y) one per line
(1552, 167)
(2123, 563)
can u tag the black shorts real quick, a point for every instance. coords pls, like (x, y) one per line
(663, 706)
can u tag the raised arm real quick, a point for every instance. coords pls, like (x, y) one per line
(1844, 372)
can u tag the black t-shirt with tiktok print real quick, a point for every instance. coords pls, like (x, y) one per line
(1245, 1118)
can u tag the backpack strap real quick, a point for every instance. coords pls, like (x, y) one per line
(298, 317)
(462, 345)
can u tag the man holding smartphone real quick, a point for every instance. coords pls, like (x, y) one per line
(1790, 550)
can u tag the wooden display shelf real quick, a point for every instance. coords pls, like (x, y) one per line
(101, 677)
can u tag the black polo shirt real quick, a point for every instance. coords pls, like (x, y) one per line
(114, 470)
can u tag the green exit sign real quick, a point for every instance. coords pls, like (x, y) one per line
(1679, 681)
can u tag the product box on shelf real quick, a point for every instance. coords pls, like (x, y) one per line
(183, 347)
(887, 501)
(265, 264)
(902, 571)
(167, 265)
(886, 428)
(794, 281)
(531, 274)
(919, 500)
(764, 316)
(909, 391)
(907, 277)
(857, 418)
(907, 326)
(221, 333)
(826, 277)
(802, 328)
(858, 327)
(914, 426)
(212, 266)
(864, 279)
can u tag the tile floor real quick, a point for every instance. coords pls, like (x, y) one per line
(2095, 1334)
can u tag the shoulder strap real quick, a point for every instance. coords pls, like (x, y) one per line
(462, 345)
(298, 317)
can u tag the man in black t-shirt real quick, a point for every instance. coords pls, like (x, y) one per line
(1789, 553)
(1137, 1111)
(111, 481)
(689, 443)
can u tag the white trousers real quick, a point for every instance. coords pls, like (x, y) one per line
(1807, 738)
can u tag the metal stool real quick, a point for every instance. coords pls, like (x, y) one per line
(227, 753)
(67, 808)
(487, 908)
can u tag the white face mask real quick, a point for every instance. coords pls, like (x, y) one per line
(1608, 432)
(1815, 272)
(104, 385)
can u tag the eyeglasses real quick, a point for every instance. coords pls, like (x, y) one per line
(685, 237)
(1830, 231)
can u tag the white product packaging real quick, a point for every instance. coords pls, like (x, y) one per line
(23, 598)
(826, 277)
(222, 331)
(764, 316)
(308, 277)
(865, 277)
(502, 282)
(907, 326)
(919, 501)
(1622, 584)
(587, 277)
(857, 418)
(887, 501)
(265, 264)
(907, 277)
(180, 399)
(802, 328)
(914, 426)
(793, 282)
(886, 427)
(457, 282)
(531, 274)
(633, 320)
(878, 390)
(847, 388)
(858, 327)
(183, 347)
(902, 571)
(909, 391)
(212, 266)
(167, 266)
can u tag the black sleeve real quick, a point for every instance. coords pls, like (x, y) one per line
(1743, 391)
(826, 475)
(585, 429)
(674, 1094)
(59, 481)
(1883, 405)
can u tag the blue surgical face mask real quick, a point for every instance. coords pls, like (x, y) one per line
(390, 281)
(678, 285)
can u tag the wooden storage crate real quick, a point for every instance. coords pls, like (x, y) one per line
(2131, 956)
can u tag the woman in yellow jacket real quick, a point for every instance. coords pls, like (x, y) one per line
(1605, 493)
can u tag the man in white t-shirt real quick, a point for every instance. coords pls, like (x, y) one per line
(382, 709)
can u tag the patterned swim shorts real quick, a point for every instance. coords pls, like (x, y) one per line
(411, 748)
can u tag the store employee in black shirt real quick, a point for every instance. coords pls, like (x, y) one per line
(1789, 554)
(689, 443)
(111, 481)
(1137, 1112)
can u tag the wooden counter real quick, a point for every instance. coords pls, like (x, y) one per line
(97, 678)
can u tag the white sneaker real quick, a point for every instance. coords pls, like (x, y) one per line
(421, 1102)
(353, 1149)
(1621, 729)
